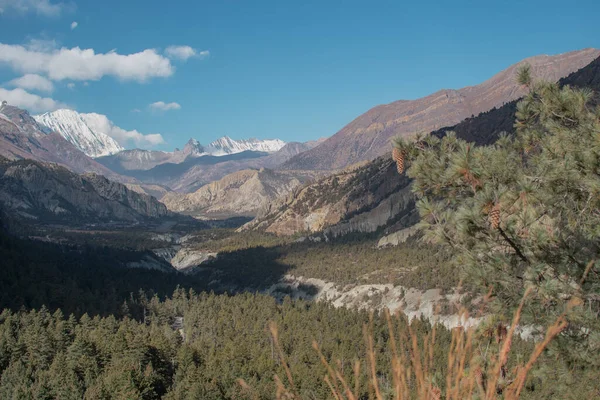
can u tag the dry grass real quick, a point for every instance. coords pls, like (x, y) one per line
(412, 364)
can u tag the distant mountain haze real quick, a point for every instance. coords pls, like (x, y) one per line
(188, 169)
(142, 160)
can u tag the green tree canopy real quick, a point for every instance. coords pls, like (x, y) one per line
(524, 212)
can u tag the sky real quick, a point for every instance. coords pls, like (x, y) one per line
(164, 72)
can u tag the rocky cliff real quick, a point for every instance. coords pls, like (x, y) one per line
(49, 193)
(360, 198)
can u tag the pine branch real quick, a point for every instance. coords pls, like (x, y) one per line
(513, 245)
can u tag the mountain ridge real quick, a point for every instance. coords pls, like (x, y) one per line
(368, 136)
(50, 193)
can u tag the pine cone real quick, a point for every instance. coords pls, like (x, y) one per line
(420, 145)
(400, 165)
(399, 156)
(494, 216)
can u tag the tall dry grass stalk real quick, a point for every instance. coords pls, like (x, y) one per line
(468, 376)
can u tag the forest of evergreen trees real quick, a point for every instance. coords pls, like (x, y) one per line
(46, 355)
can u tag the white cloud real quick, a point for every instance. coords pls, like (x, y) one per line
(71, 85)
(41, 7)
(183, 52)
(136, 110)
(102, 124)
(162, 106)
(41, 45)
(33, 82)
(84, 64)
(74, 25)
(31, 102)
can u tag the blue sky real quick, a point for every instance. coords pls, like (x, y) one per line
(285, 69)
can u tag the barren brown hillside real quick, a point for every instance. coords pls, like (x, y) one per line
(368, 136)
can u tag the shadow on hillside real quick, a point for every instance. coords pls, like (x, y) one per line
(96, 281)
(254, 269)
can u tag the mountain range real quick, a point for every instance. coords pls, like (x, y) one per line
(143, 160)
(185, 170)
(89, 132)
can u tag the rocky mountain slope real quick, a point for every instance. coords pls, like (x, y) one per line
(21, 137)
(81, 130)
(360, 198)
(368, 136)
(374, 195)
(240, 193)
(486, 127)
(49, 193)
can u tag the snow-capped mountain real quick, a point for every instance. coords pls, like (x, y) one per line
(227, 145)
(82, 130)
(193, 148)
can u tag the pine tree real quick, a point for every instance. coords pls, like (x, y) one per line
(524, 212)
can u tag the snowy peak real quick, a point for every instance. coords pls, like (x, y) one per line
(193, 148)
(81, 131)
(227, 145)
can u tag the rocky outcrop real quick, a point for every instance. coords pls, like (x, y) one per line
(396, 238)
(49, 193)
(368, 136)
(431, 304)
(148, 261)
(141, 203)
(362, 198)
(186, 259)
(240, 193)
